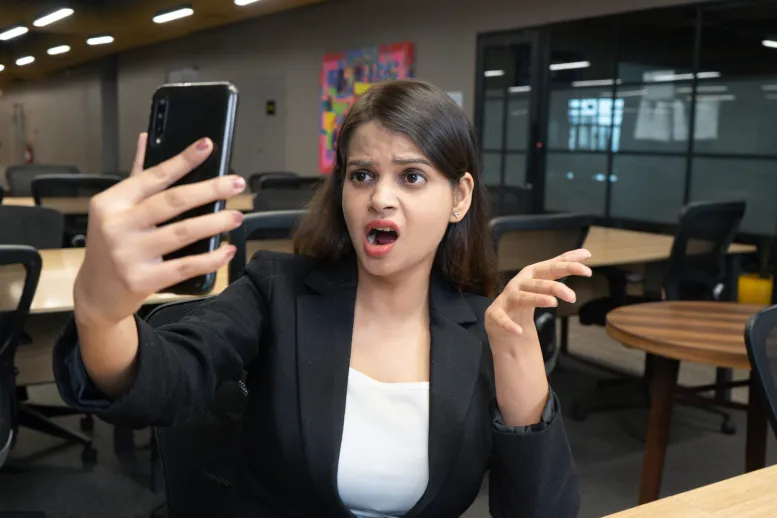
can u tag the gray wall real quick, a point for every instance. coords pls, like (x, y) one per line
(279, 58)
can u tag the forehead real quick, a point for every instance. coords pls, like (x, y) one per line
(374, 141)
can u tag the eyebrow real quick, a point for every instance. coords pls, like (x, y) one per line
(397, 161)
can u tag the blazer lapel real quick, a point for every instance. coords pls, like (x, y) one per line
(324, 334)
(455, 368)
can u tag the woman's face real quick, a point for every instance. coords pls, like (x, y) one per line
(396, 204)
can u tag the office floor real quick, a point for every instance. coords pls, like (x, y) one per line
(607, 447)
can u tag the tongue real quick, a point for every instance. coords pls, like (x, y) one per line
(385, 238)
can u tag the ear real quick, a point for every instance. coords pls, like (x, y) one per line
(462, 197)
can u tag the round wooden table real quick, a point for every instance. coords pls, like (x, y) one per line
(703, 332)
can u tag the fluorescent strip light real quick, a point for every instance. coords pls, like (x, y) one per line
(99, 40)
(494, 73)
(13, 33)
(663, 78)
(769, 43)
(707, 75)
(570, 66)
(26, 60)
(519, 89)
(173, 15)
(52, 17)
(595, 82)
(245, 2)
(61, 49)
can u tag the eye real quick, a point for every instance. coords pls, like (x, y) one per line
(414, 177)
(359, 176)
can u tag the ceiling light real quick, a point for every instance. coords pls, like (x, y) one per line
(169, 16)
(99, 40)
(2, 67)
(61, 49)
(595, 82)
(519, 89)
(245, 2)
(769, 43)
(52, 17)
(26, 60)
(13, 33)
(570, 66)
(494, 73)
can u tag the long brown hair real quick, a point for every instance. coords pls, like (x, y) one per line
(437, 125)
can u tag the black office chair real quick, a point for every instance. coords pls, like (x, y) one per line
(72, 186)
(696, 270)
(761, 341)
(281, 179)
(20, 268)
(260, 226)
(2, 191)
(38, 227)
(19, 177)
(507, 200)
(524, 240)
(200, 454)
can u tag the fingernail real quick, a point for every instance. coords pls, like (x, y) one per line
(231, 252)
(203, 144)
(239, 184)
(238, 217)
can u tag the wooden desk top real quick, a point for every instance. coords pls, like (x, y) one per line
(614, 246)
(55, 287)
(704, 332)
(241, 202)
(747, 496)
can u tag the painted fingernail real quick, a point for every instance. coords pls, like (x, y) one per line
(238, 217)
(231, 252)
(239, 184)
(203, 144)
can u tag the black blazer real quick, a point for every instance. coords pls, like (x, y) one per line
(288, 322)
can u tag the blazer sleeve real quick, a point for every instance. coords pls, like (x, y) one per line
(533, 473)
(180, 365)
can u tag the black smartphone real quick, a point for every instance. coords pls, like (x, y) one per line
(182, 114)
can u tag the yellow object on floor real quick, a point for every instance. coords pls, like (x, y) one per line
(754, 289)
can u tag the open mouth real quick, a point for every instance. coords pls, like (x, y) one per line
(382, 236)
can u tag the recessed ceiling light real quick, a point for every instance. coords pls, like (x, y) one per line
(61, 49)
(26, 60)
(13, 33)
(494, 73)
(169, 16)
(245, 2)
(52, 17)
(2, 67)
(99, 40)
(570, 66)
(769, 43)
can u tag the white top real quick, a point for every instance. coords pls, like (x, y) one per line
(384, 461)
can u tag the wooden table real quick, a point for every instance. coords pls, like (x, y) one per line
(747, 496)
(241, 202)
(704, 332)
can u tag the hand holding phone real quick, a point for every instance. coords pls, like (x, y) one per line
(127, 237)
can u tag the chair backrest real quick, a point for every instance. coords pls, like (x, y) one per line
(19, 177)
(20, 268)
(39, 227)
(271, 230)
(2, 192)
(272, 199)
(506, 200)
(259, 181)
(697, 263)
(524, 240)
(200, 454)
(70, 186)
(761, 342)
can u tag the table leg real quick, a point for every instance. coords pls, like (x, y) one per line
(755, 448)
(663, 385)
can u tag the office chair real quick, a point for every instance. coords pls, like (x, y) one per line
(199, 455)
(1, 193)
(259, 181)
(507, 200)
(696, 270)
(270, 227)
(82, 186)
(524, 240)
(19, 177)
(761, 342)
(38, 227)
(20, 268)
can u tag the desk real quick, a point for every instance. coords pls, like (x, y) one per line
(241, 202)
(747, 496)
(704, 332)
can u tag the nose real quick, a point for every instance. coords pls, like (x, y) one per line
(383, 196)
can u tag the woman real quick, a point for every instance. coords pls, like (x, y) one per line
(383, 380)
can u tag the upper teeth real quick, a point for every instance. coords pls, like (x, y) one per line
(384, 229)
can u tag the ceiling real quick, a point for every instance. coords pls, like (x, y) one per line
(128, 21)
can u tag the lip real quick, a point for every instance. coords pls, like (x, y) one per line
(379, 250)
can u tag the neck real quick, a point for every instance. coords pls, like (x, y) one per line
(399, 297)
